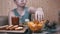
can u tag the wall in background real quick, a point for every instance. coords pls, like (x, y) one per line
(50, 7)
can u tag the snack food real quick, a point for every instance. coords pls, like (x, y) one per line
(13, 28)
(19, 28)
(8, 27)
(35, 25)
(3, 27)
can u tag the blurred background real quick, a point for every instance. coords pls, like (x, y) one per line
(51, 8)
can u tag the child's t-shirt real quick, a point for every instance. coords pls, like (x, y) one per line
(26, 15)
(22, 19)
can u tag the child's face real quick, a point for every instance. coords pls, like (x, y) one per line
(21, 3)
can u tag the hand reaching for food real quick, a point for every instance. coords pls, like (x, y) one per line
(39, 14)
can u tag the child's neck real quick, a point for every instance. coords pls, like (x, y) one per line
(20, 8)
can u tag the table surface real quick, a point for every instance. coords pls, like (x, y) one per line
(19, 31)
(22, 31)
(53, 31)
(16, 31)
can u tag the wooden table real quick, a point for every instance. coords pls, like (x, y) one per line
(14, 31)
(22, 31)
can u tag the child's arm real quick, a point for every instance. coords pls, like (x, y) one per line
(10, 15)
(39, 14)
(32, 10)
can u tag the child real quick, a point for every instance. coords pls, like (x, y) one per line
(21, 11)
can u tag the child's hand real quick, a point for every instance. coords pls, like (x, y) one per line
(39, 15)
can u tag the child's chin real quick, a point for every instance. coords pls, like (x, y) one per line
(22, 6)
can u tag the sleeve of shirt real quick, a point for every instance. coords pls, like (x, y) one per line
(10, 15)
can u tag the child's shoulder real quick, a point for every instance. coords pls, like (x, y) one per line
(12, 11)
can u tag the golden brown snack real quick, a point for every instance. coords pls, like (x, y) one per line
(8, 27)
(3, 27)
(36, 25)
(19, 28)
(13, 28)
